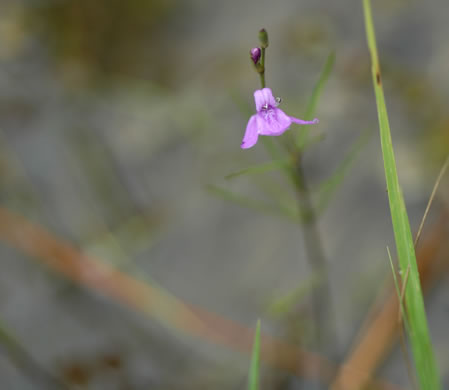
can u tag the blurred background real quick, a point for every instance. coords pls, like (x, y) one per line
(123, 269)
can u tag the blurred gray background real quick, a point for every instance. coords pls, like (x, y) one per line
(115, 117)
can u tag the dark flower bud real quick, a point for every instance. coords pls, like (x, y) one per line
(263, 38)
(255, 53)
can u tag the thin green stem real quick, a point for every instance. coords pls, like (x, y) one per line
(24, 362)
(262, 67)
(253, 382)
(321, 296)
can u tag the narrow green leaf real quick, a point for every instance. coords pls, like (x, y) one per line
(324, 76)
(313, 101)
(259, 168)
(285, 304)
(419, 333)
(404, 321)
(271, 147)
(331, 185)
(242, 103)
(252, 203)
(23, 361)
(253, 377)
(396, 286)
(7, 339)
(314, 139)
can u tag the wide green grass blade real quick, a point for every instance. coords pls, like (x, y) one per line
(302, 137)
(419, 334)
(253, 377)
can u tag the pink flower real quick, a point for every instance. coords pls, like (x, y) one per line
(269, 119)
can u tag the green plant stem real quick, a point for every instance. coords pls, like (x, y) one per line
(262, 67)
(24, 362)
(321, 296)
(253, 382)
(421, 344)
(324, 336)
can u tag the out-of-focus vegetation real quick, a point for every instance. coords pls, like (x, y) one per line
(103, 39)
(120, 123)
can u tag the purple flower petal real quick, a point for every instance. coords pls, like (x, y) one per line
(269, 119)
(273, 122)
(269, 98)
(264, 97)
(255, 54)
(251, 133)
(302, 122)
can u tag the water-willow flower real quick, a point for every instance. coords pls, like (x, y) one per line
(269, 119)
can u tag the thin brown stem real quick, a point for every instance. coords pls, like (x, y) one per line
(432, 196)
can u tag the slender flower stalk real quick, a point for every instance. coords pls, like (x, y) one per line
(263, 38)
(270, 120)
(262, 68)
(324, 321)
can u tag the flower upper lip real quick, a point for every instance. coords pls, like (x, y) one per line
(264, 97)
(269, 119)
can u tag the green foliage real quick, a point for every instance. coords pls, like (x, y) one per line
(253, 377)
(398, 290)
(259, 168)
(419, 334)
(314, 98)
(282, 152)
(331, 185)
(106, 38)
(252, 203)
(282, 306)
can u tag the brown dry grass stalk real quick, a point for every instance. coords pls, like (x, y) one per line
(381, 328)
(90, 272)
